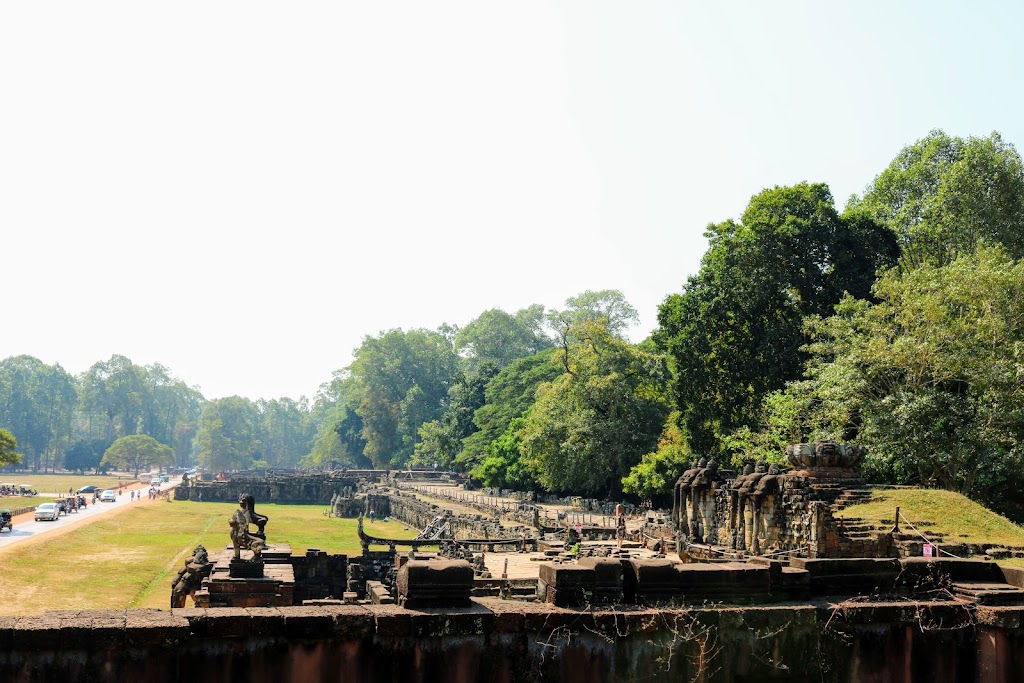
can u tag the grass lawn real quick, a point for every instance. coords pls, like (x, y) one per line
(129, 558)
(955, 515)
(60, 483)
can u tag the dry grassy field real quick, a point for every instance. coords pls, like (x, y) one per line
(127, 559)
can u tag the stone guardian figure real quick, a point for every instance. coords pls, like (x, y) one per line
(240, 536)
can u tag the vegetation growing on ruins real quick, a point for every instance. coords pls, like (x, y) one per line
(894, 323)
(957, 518)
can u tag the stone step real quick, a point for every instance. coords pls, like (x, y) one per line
(990, 593)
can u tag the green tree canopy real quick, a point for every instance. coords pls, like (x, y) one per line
(37, 405)
(930, 378)
(137, 451)
(943, 196)
(656, 473)
(607, 306)
(735, 332)
(441, 439)
(228, 437)
(116, 393)
(8, 443)
(498, 337)
(85, 454)
(403, 380)
(508, 395)
(503, 465)
(593, 423)
(287, 432)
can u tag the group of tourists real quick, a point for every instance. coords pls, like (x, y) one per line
(17, 490)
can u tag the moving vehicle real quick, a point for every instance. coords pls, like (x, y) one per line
(47, 512)
(108, 496)
(91, 488)
(5, 520)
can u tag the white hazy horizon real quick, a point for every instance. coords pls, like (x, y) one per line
(242, 192)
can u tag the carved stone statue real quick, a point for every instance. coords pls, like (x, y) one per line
(681, 498)
(736, 504)
(702, 504)
(240, 536)
(745, 492)
(190, 578)
(763, 499)
(254, 517)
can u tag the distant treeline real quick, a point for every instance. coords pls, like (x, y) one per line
(898, 323)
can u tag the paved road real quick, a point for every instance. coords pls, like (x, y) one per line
(26, 527)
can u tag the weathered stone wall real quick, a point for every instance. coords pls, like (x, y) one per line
(507, 641)
(798, 517)
(315, 489)
(417, 513)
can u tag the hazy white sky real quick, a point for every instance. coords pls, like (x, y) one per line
(242, 191)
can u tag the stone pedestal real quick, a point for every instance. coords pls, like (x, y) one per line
(245, 569)
(245, 583)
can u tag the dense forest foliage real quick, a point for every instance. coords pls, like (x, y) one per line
(897, 323)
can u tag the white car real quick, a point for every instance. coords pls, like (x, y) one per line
(108, 496)
(48, 512)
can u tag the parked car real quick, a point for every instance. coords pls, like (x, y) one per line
(108, 496)
(47, 511)
(91, 488)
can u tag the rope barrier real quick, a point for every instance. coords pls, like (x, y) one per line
(925, 538)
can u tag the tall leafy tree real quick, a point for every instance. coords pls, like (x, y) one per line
(508, 395)
(608, 306)
(36, 405)
(441, 439)
(593, 423)
(116, 392)
(944, 195)
(137, 451)
(499, 337)
(85, 454)
(735, 332)
(167, 402)
(929, 377)
(228, 436)
(503, 465)
(8, 443)
(287, 433)
(403, 379)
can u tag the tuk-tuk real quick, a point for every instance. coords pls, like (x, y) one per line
(5, 520)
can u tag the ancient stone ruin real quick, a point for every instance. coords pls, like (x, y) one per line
(751, 572)
(762, 511)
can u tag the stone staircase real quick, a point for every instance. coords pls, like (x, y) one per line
(990, 594)
(852, 497)
(436, 529)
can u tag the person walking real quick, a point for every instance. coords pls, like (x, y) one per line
(620, 524)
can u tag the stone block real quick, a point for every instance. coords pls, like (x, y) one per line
(93, 628)
(849, 576)
(435, 583)
(148, 628)
(7, 626)
(928, 572)
(307, 622)
(1013, 576)
(650, 581)
(729, 583)
(391, 621)
(566, 585)
(607, 579)
(378, 593)
(36, 633)
(266, 622)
